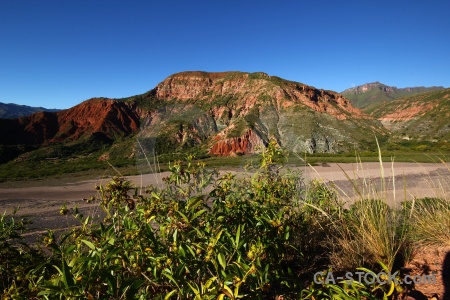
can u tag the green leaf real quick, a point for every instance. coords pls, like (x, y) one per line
(196, 291)
(59, 270)
(70, 249)
(168, 295)
(221, 259)
(181, 251)
(209, 282)
(191, 251)
(194, 202)
(197, 214)
(89, 244)
(171, 278)
(228, 291)
(221, 296)
(218, 237)
(286, 235)
(238, 236)
(67, 276)
(112, 253)
(183, 216)
(175, 235)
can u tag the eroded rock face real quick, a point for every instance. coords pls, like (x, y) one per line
(424, 116)
(248, 143)
(251, 89)
(106, 116)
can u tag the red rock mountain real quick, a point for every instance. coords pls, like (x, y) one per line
(98, 118)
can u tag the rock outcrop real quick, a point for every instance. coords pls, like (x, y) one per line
(252, 89)
(248, 143)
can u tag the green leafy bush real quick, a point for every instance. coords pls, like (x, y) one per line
(203, 235)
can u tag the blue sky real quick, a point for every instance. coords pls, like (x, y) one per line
(58, 53)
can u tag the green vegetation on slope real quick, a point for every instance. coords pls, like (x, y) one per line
(420, 118)
(378, 92)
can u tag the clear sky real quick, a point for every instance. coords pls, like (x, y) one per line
(58, 53)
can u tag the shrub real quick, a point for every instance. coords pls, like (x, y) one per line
(17, 259)
(171, 243)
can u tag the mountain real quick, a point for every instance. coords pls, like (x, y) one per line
(421, 117)
(223, 114)
(237, 113)
(371, 93)
(11, 110)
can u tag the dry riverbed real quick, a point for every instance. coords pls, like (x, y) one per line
(41, 200)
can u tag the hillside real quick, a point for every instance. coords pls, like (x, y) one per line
(422, 117)
(89, 126)
(102, 119)
(11, 110)
(368, 94)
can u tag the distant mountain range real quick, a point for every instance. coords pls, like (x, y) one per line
(11, 110)
(227, 114)
(369, 94)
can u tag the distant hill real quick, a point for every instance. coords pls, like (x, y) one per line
(101, 119)
(11, 110)
(421, 117)
(369, 94)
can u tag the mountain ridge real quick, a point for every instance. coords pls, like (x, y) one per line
(12, 110)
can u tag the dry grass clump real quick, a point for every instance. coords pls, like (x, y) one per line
(430, 221)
